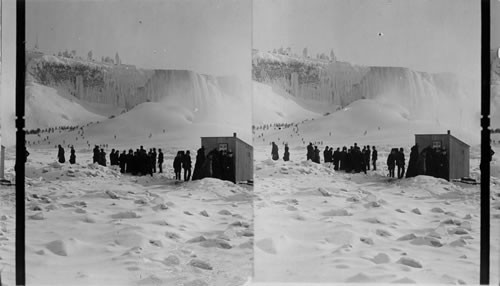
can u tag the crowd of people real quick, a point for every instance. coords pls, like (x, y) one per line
(353, 159)
(430, 161)
(216, 164)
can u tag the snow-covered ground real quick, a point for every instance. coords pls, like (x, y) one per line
(91, 225)
(314, 224)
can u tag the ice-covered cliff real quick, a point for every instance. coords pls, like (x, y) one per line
(425, 96)
(56, 85)
(123, 85)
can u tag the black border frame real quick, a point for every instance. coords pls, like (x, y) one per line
(20, 142)
(484, 264)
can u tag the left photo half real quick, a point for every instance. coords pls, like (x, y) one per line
(138, 128)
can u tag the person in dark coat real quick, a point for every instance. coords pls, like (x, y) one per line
(216, 164)
(367, 157)
(198, 166)
(154, 160)
(186, 165)
(400, 163)
(60, 155)
(286, 155)
(112, 157)
(442, 162)
(178, 165)
(412, 170)
(336, 159)
(374, 158)
(348, 161)
(160, 160)
(130, 162)
(230, 167)
(95, 158)
(325, 155)
(150, 163)
(310, 152)
(316, 157)
(123, 161)
(274, 151)
(207, 167)
(391, 162)
(103, 158)
(72, 156)
(342, 158)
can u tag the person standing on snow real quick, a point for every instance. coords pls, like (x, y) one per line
(160, 160)
(178, 165)
(60, 155)
(72, 157)
(400, 162)
(391, 162)
(186, 165)
(274, 151)
(412, 170)
(374, 158)
(286, 155)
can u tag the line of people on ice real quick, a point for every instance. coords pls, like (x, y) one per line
(353, 159)
(216, 164)
(138, 162)
(430, 161)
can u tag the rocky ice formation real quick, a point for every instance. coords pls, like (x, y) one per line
(124, 85)
(341, 83)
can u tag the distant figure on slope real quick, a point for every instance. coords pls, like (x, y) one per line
(274, 151)
(391, 162)
(72, 156)
(178, 165)
(198, 166)
(160, 160)
(412, 170)
(374, 158)
(286, 155)
(60, 155)
(400, 162)
(186, 165)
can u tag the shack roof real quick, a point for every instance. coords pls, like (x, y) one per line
(228, 137)
(453, 137)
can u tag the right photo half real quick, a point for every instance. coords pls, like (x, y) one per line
(366, 134)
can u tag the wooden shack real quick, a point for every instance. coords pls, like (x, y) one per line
(242, 154)
(457, 152)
